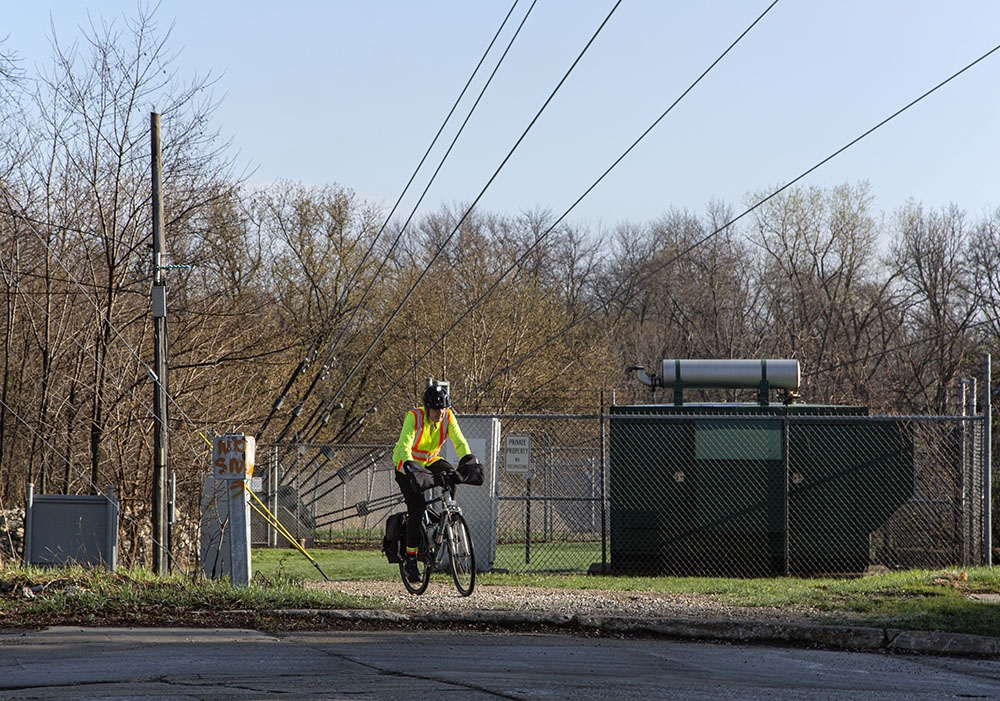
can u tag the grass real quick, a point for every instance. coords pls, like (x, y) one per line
(49, 596)
(337, 564)
(914, 599)
(371, 564)
(538, 558)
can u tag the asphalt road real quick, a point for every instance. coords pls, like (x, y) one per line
(63, 663)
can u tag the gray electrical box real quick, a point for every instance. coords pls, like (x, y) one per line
(66, 529)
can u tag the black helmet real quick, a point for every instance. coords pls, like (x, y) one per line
(436, 397)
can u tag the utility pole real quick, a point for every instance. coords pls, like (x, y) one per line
(161, 556)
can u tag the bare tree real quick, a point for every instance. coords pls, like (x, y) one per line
(984, 258)
(75, 199)
(682, 287)
(930, 250)
(825, 296)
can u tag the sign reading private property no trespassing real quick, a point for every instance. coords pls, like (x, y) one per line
(517, 455)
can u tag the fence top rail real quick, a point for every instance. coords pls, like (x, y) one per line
(317, 446)
(531, 416)
(743, 418)
(794, 418)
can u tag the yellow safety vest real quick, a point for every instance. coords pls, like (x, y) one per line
(422, 443)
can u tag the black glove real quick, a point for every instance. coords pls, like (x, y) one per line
(470, 470)
(420, 477)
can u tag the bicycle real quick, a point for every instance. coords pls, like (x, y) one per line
(445, 542)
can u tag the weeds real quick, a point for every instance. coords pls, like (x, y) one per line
(952, 600)
(33, 596)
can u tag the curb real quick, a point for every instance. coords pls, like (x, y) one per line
(857, 638)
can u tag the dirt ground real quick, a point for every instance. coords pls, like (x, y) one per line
(441, 595)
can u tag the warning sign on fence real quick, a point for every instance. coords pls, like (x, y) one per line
(517, 455)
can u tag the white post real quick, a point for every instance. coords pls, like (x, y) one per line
(988, 462)
(29, 505)
(273, 480)
(232, 460)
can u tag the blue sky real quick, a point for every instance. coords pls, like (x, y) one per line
(352, 93)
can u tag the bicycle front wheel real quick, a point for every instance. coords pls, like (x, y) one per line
(461, 556)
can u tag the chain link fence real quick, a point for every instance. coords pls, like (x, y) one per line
(756, 495)
(553, 516)
(325, 495)
(749, 492)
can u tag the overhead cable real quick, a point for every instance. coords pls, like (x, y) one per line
(745, 212)
(321, 411)
(468, 210)
(318, 340)
(541, 237)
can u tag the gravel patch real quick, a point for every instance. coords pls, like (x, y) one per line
(442, 597)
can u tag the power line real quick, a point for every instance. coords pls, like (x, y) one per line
(904, 346)
(482, 192)
(119, 380)
(543, 235)
(318, 341)
(747, 211)
(327, 406)
(124, 287)
(152, 375)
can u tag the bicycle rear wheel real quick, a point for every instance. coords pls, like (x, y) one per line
(461, 556)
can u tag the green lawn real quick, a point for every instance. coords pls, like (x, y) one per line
(542, 558)
(336, 564)
(539, 558)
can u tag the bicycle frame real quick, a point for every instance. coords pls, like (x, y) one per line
(437, 544)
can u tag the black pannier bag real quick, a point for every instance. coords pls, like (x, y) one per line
(394, 540)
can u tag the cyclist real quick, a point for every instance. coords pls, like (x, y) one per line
(420, 466)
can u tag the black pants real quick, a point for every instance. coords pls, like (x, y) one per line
(415, 502)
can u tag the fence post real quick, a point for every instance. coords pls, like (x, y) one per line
(784, 513)
(29, 505)
(273, 479)
(966, 479)
(604, 494)
(987, 462)
(527, 520)
(111, 527)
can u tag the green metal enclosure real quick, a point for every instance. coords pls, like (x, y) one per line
(752, 490)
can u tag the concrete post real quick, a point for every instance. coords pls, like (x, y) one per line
(232, 460)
